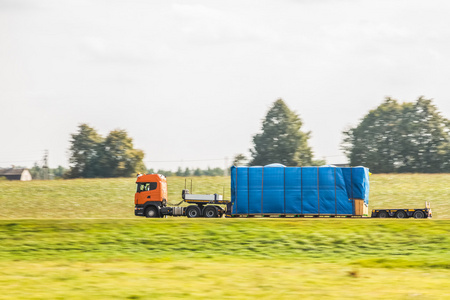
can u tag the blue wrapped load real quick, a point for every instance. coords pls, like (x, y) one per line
(293, 190)
(276, 189)
(255, 179)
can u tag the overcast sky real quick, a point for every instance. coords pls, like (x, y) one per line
(191, 80)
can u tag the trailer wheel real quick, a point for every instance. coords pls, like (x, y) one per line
(418, 214)
(383, 214)
(193, 211)
(400, 214)
(151, 212)
(210, 211)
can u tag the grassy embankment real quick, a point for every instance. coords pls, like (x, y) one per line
(113, 198)
(87, 198)
(224, 258)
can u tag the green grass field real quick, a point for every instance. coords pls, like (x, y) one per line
(76, 239)
(114, 198)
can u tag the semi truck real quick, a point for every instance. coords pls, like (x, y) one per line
(151, 200)
(273, 191)
(269, 191)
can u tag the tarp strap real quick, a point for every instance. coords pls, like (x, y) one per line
(351, 190)
(236, 189)
(262, 190)
(284, 188)
(318, 191)
(248, 190)
(301, 191)
(335, 197)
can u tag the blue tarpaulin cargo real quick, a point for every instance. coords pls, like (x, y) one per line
(276, 189)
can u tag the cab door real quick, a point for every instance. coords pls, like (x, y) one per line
(148, 191)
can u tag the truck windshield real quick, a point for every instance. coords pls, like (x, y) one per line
(146, 186)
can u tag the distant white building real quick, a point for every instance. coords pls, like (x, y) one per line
(16, 174)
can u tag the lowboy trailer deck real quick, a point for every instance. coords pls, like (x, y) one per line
(402, 213)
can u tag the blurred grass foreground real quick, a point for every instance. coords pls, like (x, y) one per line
(224, 258)
(73, 239)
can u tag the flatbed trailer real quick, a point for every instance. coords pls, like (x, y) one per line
(289, 216)
(202, 205)
(151, 200)
(403, 213)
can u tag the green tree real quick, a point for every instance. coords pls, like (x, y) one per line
(213, 172)
(281, 139)
(197, 172)
(318, 162)
(58, 172)
(424, 132)
(84, 152)
(36, 172)
(166, 173)
(216, 171)
(444, 151)
(187, 172)
(179, 172)
(239, 160)
(91, 155)
(394, 137)
(118, 157)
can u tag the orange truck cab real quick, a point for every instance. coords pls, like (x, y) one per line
(151, 195)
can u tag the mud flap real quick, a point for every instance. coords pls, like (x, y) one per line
(229, 209)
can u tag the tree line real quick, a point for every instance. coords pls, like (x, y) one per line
(38, 172)
(189, 172)
(394, 137)
(92, 155)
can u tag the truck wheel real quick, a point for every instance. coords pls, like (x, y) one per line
(383, 214)
(418, 214)
(400, 214)
(151, 212)
(193, 211)
(210, 211)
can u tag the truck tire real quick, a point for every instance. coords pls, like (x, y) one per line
(383, 214)
(401, 214)
(210, 211)
(418, 214)
(151, 212)
(193, 211)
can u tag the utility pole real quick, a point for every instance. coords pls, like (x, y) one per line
(45, 172)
